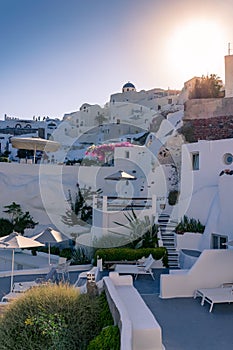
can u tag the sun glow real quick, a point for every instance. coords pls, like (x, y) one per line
(198, 48)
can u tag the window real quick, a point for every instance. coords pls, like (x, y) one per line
(195, 161)
(126, 154)
(218, 241)
(228, 158)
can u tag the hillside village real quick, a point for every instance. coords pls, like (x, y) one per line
(156, 151)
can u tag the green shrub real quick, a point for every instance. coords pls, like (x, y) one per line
(121, 254)
(189, 225)
(105, 316)
(50, 318)
(53, 250)
(173, 197)
(80, 256)
(66, 253)
(4, 159)
(108, 339)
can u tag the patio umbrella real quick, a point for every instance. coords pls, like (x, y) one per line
(49, 235)
(13, 241)
(35, 144)
(120, 175)
(230, 243)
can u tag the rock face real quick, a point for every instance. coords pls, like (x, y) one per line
(209, 119)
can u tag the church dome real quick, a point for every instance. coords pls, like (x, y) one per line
(128, 87)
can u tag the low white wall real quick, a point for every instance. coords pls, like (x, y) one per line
(118, 311)
(189, 240)
(212, 268)
(186, 261)
(139, 328)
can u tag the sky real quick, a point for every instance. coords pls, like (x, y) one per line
(56, 55)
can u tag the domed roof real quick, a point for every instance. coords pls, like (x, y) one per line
(128, 85)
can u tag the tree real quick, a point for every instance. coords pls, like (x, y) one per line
(6, 227)
(80, 211)
(18, 219)
(207, 87)
(13, 210)
(101, 119)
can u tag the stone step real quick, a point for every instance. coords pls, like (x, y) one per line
(168, 238)
(168, 235)
(172, 251)
(167, 228)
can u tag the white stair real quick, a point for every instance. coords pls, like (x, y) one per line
(167, 233)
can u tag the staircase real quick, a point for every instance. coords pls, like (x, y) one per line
(167, 228)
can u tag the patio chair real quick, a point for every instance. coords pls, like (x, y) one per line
(91, 275)
(62, 270)
(136, 269)
(219, 295)
(143, 261)
(85, 277)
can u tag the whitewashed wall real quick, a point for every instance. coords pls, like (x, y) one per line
(204, 194)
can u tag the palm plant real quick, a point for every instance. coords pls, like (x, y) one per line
(142, 233)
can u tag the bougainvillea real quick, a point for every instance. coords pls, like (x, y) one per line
(101, 151)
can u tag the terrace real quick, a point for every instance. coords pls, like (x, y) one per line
(186, 325)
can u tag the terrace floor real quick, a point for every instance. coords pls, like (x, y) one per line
(186, 325)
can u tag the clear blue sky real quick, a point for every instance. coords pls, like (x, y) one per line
(57, 54)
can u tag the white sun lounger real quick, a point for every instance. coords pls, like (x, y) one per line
(135, 269)
(219, 295)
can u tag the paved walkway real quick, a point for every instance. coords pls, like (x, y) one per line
(186, 325)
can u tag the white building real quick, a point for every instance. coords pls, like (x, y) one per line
(12, 126)
(129, 106)
(207, 189)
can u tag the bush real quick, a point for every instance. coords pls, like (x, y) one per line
(109, 338)
(105, 316)
(4, 159)
(187, 131)
(189, 225)
(173, 197)
(80, 256)
(121, 254)
(50, 317)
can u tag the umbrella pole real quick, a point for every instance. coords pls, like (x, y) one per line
(12, 268)
(49, 253)
(35, 154)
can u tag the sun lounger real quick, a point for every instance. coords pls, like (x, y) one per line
(18, 289)
(23, 286)
(219, 295)
(11, 296)
(136, 269)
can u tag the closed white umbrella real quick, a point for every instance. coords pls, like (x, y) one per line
(35, 144)
(120, 175)
(13, 241)
(230, 243)
(49, 235)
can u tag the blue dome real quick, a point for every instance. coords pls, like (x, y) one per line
(128, 85)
